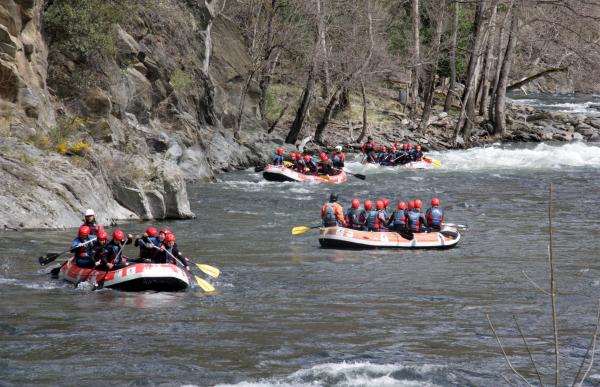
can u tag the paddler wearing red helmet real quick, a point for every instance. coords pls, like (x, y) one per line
(416, 221)
(148, 243)
(312, 166)
(82, 247)
(114, 249)
(325, 165)
(278, 158)
(169, 252)
(435, 215)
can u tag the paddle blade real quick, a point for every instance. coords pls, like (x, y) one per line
(46, 259)
(359, 176)
(300, 230)
(210, 270)
(432, 161)
(204, 285)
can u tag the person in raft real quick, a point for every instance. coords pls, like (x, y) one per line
(416, 219)
(169, 253)
(311, 165)
(82, 247)
(148, 243)
(278, 158)
(325, 165)
(368, 149)
(434, 215)
(332, 213)
(338, 158)
(356, 216)
(114, 250)
(100, 252)
(89, 217)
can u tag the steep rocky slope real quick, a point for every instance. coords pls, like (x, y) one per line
(125, 142)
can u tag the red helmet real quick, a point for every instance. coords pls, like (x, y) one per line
(118, 235)
(393, 149)
(379, 204)
(170, 238)
(102, 235)
(293, 156)
(151, 231)
(418, 203)
(323, 156)
(355, 203)
(406, 146)
(418, 147)
(84, 231)
(397, 145)
(386, 203)
(435, 202)
(382, 148)
(368, 205)
(401, 206)
(411, 205)
(307, 157)
(165, 231)
(279, 151)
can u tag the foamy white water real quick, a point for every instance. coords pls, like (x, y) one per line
(355, 374)
(500, 157)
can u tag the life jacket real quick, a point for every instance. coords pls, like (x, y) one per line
(356, 217)
(399, 218)
(368, 147)
(414, 221)
(380, 224)
(372, 222)
(277, 160)
(94, 228)
(435, 216)
(329, 217)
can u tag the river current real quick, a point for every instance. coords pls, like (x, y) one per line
(288, 313)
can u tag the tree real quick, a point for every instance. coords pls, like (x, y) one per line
(451, 86)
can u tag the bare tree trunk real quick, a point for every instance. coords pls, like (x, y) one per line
(500, 99)
(416, 59)
(267, 68)
(274, 123)
(439, 28)
(333, 101)
(526, 80)
(468, 98)
(325, 82)
(238, 123)
(364, 102)
(485, 79)
(450, 94)
(307, 93)
(499, 60)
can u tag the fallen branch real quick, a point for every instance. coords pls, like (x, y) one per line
(528, 351)
(526, 80)
(592, 346)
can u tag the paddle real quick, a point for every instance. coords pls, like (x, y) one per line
(50, 257)
(210, 270)
(462, 226)
(302, 229)
(100, 284)
(432, 161)
(357, 175)
(204, 285)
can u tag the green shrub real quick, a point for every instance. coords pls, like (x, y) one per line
(180, 80)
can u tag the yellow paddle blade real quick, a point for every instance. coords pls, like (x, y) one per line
(204, 284)
(210, 270)
(300, 230)
(288, 163)
(433, 161)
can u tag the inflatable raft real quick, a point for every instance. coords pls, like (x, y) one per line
(340, 237)
(282, 173)
(136, 277)
(410, 165)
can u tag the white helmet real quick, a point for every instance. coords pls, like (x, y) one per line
(338, 148)
(89, 212)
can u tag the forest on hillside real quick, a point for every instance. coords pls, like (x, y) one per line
(462, 55)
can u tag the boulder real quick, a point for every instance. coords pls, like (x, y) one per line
(594, 122)
(177, 204)
(194, 165)
(133, 199)
(127, 47)
(156, 203)
(97, 103)
(584, 129)
(539, 116)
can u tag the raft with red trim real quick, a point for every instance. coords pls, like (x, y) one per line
(410, 165)
(282, 173)
(137, 277)
(340, 237)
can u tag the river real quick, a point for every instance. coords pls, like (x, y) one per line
(288, 313)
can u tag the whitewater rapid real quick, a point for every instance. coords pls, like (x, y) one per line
(507, 157)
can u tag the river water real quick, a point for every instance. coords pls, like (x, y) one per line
(288, 313)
